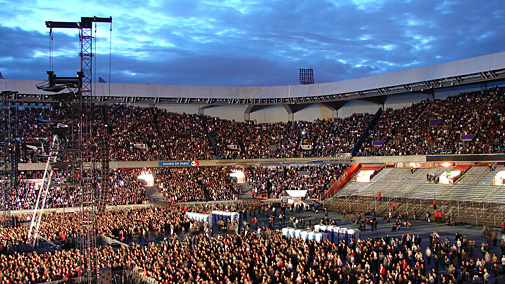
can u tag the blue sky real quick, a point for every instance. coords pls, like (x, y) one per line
(248, 43)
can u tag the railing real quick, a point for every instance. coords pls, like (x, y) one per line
(463, 212)
(342, 180)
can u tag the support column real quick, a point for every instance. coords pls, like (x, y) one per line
(247, 113)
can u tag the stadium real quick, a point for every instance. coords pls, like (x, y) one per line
(393, 178)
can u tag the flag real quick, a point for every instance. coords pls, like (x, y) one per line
(140, 146)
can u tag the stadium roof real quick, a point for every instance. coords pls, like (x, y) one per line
(482, 69)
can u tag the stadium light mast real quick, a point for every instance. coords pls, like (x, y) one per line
(307, 76)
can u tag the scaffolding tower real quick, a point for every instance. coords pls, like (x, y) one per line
(9, 119)
(83, 140)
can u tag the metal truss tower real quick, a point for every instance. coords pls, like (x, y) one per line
(87, 140)
(9, 146)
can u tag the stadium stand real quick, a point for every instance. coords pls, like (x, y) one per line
(163, 245)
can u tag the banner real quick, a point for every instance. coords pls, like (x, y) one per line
(435, 122)
(140, 146)
(364, 175)
(179, 164)
(378, 143)
(449, 177)
(296, 193)
(468, 137)
(306, 147)
(232, 147)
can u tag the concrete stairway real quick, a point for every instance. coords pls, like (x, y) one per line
(153, 195)
(245, 191)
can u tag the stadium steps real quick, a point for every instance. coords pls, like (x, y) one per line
(420, 114)
(473, 175)
(387, 183)
(153, 195)
(487, 177)
(390, 182)
(209, 136)
(472, 200)
(245, 191)
(355, 188)
(396, 185)
(497, 194)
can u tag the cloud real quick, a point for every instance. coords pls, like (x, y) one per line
(248, 43)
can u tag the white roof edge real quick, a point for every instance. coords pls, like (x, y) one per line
(473, 65)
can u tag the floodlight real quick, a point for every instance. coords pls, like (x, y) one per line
(147, 178)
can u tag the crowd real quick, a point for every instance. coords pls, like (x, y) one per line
(139, 134)
(274, 181)
(325, 138)
(186, 252)
(411, 131)
(30, 130)
(176, 184)
(339, 135)
(248, 140)
(124, 188)
(190, 251)
(196, 183)
(390, 123)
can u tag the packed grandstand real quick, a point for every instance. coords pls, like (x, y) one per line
(152, 134)
(161, 241)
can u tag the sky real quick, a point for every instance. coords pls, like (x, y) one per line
(249, 42)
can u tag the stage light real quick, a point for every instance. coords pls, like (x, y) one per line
(147, 178)
(53, 89)
(239, 175)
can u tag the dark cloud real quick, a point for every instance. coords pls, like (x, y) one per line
(263, 43)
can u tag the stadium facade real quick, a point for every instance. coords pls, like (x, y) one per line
(298, 102)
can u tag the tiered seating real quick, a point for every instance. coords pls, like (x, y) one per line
(471, 199)
(391, 183)
(487, 176)
(473, 175)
